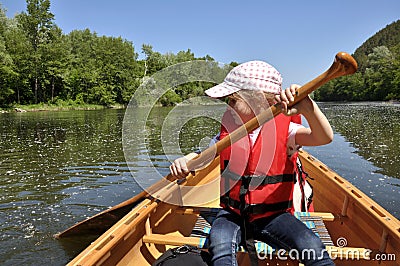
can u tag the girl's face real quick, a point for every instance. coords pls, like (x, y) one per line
(248, 104)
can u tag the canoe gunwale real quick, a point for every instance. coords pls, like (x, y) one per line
(359, 218)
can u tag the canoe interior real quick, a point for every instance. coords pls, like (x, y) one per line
(140, 236)
(359, 219)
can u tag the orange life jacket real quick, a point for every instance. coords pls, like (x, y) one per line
(257, 181)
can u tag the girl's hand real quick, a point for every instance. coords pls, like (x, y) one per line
(287, 96)
(179, 167)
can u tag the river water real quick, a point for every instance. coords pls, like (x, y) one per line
(58, 168)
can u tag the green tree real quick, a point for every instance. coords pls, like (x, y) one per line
(154, 61)
(378, 76)
(394, 88)
(115, 60)
(170, 98)
(7, 73)
(378, 73)
(20, 51)
(81, 73)
(37, 24)
(55, 57)
(101, 70)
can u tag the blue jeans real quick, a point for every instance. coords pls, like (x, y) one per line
(283, 231)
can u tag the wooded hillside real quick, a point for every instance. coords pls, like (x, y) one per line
(378, 76)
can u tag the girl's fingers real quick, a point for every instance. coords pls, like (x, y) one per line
(172, 170)
(179, 168)
(284, 107)
(278, 98)
(283, 96)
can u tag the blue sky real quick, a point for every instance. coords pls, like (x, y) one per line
(300, 38)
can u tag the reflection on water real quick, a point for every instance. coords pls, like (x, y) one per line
(185, 130)
(364, 135)
(57, 168)
(373, 129)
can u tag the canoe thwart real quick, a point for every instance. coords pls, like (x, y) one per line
(326, 216)
(172, 240)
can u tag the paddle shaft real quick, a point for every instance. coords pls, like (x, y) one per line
(344, 64)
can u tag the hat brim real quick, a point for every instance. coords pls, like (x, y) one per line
(221, 90)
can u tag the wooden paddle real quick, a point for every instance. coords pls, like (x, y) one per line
(344, 64)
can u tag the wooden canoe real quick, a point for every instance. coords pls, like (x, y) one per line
(154, 225)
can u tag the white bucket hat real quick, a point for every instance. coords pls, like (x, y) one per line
(252, 75)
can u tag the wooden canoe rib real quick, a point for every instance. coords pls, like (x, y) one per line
(153, 225)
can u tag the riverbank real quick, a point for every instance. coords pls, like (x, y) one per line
(73, 106)
(55, 107)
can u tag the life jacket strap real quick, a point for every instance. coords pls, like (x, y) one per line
(256, 208)
(260, 180)
(303, 175)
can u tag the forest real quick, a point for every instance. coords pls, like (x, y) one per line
(378, 75)
(42, 65)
